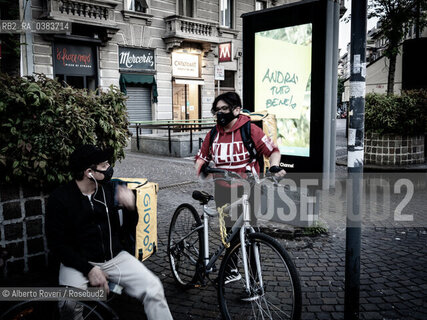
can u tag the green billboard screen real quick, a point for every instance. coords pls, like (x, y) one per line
(283, 84)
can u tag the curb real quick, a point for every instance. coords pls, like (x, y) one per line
(371, 167)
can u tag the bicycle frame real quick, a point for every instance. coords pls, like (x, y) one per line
(240, 226)
(252, 255)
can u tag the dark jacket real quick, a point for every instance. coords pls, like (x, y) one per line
(78, 229)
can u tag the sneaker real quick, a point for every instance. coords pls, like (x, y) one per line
(233, 275)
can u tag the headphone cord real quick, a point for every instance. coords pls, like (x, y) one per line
(106, 210)
(109, 225)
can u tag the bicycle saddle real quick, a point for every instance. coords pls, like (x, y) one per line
(202, 196)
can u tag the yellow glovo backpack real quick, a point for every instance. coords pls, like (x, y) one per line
(268, 123)
(144, 236)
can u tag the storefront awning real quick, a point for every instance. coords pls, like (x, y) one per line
(138, 79)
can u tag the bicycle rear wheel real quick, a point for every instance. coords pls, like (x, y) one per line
(277, 296)
(184, 245)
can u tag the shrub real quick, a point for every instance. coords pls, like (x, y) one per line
(42, 122)
(393, 114)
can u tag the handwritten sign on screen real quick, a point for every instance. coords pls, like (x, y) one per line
(281, 75)
(283, 84)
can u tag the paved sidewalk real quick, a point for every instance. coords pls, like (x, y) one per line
(393, 258)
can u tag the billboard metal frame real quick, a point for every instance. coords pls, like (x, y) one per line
(321, 14)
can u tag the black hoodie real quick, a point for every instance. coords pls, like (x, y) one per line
(78, 228)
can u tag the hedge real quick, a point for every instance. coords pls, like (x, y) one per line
(42, 122)
(393, 114)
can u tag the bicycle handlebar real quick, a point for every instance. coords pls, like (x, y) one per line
(207, 170)
(230, 175)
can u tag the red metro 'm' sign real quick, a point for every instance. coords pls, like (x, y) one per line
(225, 51)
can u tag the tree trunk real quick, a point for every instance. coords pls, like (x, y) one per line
(391, 71)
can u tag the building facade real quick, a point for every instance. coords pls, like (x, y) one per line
(162, 53)
(377, 64)
(9, 43)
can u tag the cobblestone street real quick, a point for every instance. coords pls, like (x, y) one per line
(393, 257)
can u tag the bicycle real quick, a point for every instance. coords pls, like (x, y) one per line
(44, 310)
(36, 309)
(269, 285)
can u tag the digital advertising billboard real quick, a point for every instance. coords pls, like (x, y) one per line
(284, 74)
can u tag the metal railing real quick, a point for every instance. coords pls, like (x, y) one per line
(173, 126)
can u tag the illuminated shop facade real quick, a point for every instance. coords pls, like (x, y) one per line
(162, 54)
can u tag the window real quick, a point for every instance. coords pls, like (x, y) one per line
(10, 48)
(228, 83)
(137, 5)
(226, 10)
(260, 5)
(186, 8)
(78, 82)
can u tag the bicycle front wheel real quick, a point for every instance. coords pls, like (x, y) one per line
(31, 310)
(184, 245)
(46, 310)
(274, 290)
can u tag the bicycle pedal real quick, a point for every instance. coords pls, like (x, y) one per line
(199, 284)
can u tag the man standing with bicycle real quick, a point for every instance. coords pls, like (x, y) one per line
(225, 146)
(235, 144)
(84, 230)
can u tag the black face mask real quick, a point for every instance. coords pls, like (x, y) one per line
(108, 174)
(224, 118)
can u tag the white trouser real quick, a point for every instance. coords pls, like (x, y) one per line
(133, 276)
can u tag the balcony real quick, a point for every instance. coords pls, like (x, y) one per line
(179, 29)
(98, 13)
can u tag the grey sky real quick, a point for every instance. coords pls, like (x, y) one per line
(345, 28)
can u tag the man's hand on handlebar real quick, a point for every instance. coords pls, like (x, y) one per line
(202, 169)
(206, 171)
(279, 172)
(200, 163)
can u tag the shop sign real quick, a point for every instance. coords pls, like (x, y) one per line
(185, 65)
(136, 59)
(225, 52)
(74, 60)
(219, 72)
